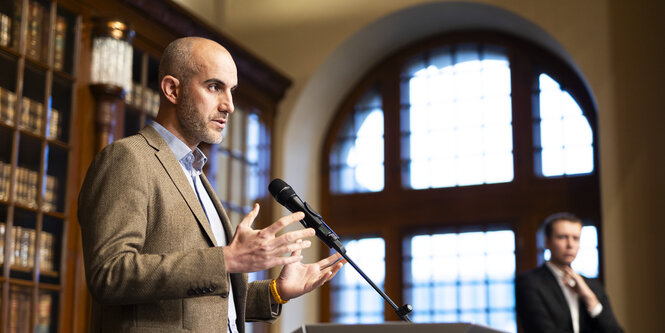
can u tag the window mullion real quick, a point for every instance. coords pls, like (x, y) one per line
(522, 85)
(390, 91)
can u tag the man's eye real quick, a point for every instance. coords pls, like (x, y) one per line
(214, 87)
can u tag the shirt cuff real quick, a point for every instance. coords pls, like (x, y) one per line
(596, 310)
(276, 309)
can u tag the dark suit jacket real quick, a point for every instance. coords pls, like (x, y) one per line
(542, 307)
(150, 258)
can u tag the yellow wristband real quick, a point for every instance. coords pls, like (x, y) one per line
(275, 294)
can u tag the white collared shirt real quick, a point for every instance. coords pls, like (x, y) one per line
(572, 298)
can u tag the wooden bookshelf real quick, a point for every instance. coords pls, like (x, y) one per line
(38, 40)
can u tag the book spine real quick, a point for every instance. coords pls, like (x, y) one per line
(37, 114)
(46, 252)
(5, 170)
(24, 124)
(2, 243)
(5, 30)
(7, 106)
(50, 195)
(54, 125)
(35, 17)
(60, 43)
(44, 314)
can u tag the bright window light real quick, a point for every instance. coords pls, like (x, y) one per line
(356, 160)
(353, 300)
(462, 277)
(459, 128)
(566, 139)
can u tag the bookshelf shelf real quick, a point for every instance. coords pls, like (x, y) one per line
(9, 52)
(36, 64)
(21, 283)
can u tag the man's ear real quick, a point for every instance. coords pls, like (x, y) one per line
(170, 89)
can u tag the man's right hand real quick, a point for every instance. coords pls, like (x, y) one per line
(580, 287)
(253, 250)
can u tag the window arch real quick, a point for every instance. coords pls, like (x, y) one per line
(466, 152)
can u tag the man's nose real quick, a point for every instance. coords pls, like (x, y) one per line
(226, 103)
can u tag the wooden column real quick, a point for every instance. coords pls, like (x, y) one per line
(108, 102)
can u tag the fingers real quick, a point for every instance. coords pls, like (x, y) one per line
(284, 221)
(281, 248)
(297, 252)
(324, 263)
(250, 217)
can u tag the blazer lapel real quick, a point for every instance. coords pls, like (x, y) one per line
(554, 292)
(178, 178)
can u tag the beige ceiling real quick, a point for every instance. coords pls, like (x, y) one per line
(275, 30)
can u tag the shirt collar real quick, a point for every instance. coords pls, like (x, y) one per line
(555, 270)
(191, 160)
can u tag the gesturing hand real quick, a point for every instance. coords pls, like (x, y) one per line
(297, 279)
(255, 250)
(580, 287)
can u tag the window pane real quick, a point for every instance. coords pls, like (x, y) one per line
(564, 140)
(356, 160)
(352, 299)
(242, 164)
(468, 276)
(456, 118)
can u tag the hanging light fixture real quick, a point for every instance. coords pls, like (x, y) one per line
(112, 54)
(110, 74)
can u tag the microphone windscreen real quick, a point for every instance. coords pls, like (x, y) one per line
(280, 190)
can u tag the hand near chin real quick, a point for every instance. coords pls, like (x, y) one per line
(576, 282)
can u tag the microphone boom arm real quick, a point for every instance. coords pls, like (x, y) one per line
(287, 197)
(402, 312)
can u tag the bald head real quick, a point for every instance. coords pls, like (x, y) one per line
(182, 57)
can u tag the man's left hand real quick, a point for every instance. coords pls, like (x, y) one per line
(297, 279)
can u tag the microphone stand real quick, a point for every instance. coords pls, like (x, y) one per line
(287, 197)
(402, 312)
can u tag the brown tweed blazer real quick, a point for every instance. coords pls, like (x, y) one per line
(150, 258)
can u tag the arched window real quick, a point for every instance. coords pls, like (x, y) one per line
(440, 166)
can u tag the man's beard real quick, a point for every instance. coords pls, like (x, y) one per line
(193, 125)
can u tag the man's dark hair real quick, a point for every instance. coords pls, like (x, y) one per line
(556, 217)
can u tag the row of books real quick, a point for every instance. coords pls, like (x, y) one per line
(27, 187)
(143, 98)
(31, 115)
(5, 29)
(38, 33)
(20, 307)
(5, 178)
(22, 248)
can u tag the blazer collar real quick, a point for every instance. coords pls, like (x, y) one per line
(177, 176)
(553, 291)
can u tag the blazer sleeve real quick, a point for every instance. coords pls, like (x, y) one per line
(114, 218)
(258, 303)
(532, 308)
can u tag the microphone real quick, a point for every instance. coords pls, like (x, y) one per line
(287, 197)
